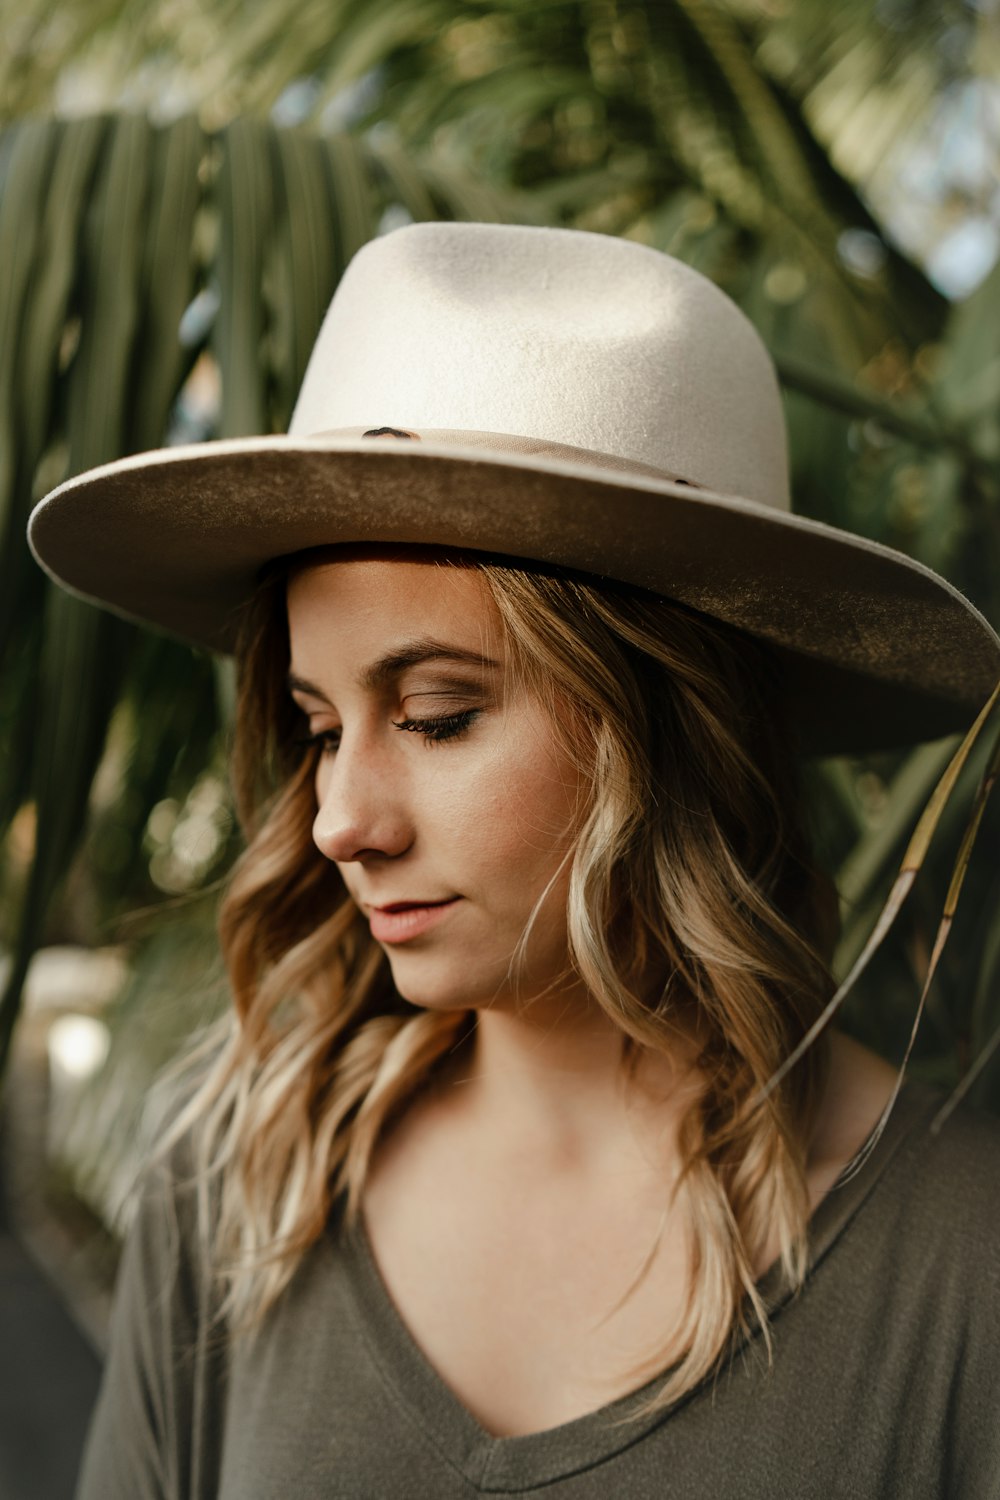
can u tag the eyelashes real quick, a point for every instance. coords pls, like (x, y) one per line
(434, 731)
(448, 727)
(327, 740)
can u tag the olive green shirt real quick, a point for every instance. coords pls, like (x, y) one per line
(885, 1383)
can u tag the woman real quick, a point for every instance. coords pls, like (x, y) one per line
(482, 1186)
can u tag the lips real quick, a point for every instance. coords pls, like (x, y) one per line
(393, 906)
(399, 921)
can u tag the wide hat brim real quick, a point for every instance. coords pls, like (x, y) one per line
(879, 651)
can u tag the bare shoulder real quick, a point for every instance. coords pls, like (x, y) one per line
(859, 1086)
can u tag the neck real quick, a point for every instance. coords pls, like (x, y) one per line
(550, 1083)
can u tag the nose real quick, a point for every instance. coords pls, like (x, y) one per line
(360, 812)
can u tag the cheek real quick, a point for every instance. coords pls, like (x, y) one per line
(511, 813)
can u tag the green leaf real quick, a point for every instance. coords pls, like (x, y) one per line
(245, 197)
(27, 165)
(177, 154)
(306, 257)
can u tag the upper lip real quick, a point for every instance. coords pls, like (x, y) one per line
(406, 903)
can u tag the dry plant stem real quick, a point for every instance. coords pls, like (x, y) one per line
(943, 932)
(963, 1088)
(912, 861)
(985, 788)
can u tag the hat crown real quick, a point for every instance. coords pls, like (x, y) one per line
(561, 383)
(558, 335)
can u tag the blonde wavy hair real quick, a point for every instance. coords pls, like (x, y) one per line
(694, 899)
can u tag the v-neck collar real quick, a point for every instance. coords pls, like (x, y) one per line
(509, 1465)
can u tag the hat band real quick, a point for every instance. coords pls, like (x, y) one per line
(506, 442)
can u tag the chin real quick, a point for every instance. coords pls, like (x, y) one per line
(443, 987)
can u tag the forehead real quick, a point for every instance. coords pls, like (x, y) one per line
(371, 599)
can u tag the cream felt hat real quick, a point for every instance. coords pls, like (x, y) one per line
(550, 395)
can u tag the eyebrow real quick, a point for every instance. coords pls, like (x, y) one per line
(394, 663)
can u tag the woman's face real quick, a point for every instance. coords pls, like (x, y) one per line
(442, 794)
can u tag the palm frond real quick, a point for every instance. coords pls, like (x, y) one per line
(913, 859)
(109, 228)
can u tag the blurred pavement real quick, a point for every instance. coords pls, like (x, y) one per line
(49, 1374)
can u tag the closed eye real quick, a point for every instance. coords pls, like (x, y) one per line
(446, 727)
(327, 739)
(434, 730)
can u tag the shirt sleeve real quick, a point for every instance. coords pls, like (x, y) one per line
(151, 1436)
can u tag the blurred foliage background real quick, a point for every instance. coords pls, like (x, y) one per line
(181, 185)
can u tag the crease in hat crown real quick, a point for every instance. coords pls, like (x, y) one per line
(576, 339)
